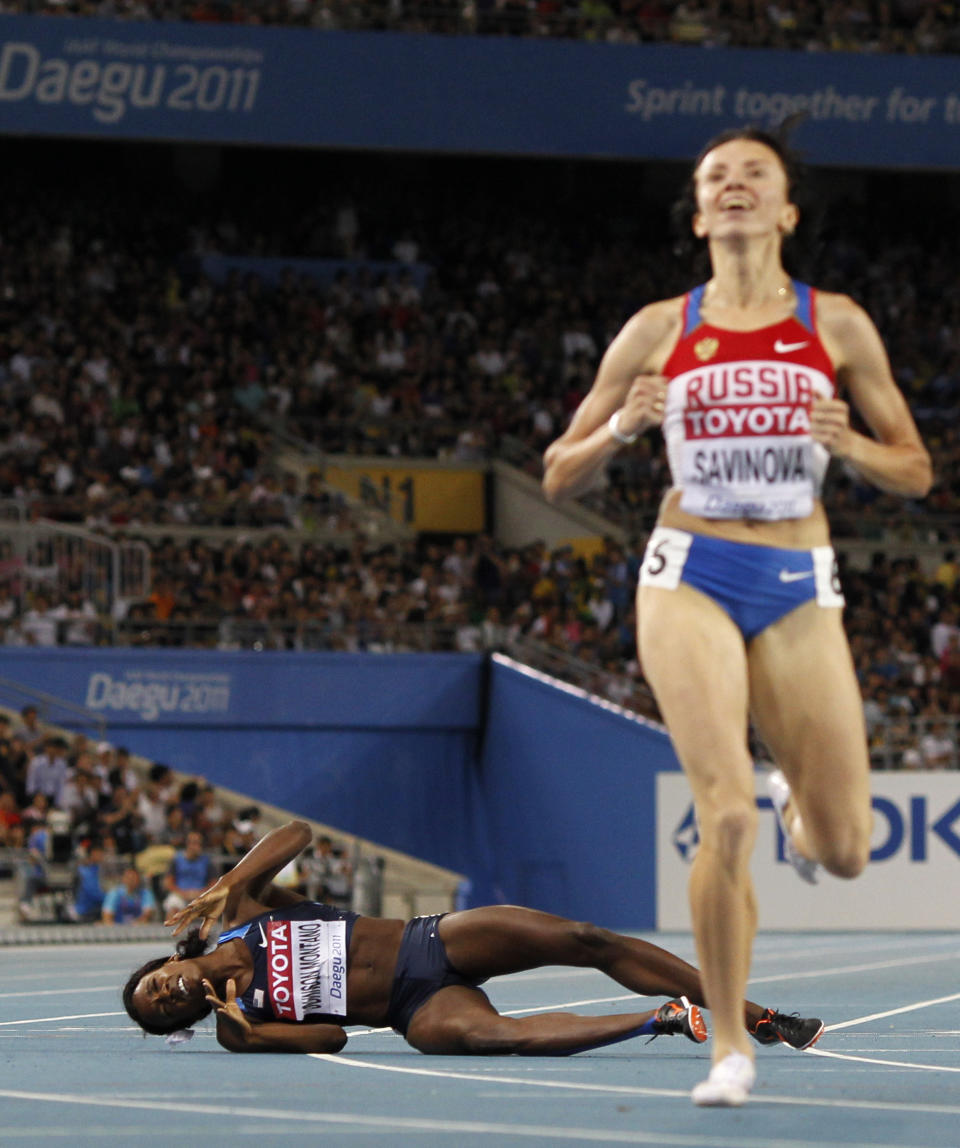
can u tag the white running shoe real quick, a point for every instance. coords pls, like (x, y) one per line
(728, 1084)
(779, 789)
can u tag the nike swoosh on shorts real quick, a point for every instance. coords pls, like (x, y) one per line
(794, 575)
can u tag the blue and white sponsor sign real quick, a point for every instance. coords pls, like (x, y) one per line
(239, 689)
(910, 882)
(151, 695)
(296, 87)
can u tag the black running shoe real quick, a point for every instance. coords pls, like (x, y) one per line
(797, 1031)
(681, 1018)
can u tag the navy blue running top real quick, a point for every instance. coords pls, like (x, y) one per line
(299, 963)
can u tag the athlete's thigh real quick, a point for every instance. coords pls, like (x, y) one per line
(694, 658)
(501, 939)
(454, 1020)
(807, 707)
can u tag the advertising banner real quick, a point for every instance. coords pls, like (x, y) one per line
(374, 90)
(910, 882)
(144, 688)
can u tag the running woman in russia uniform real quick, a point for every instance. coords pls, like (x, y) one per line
(739, 606)
(288, 974)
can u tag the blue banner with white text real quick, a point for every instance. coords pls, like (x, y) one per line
(369, 90)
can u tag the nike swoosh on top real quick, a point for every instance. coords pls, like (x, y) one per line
(784, 348)
(263, 943)
(794, 575)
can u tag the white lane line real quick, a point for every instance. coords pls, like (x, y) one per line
(892, 1012)
(876, 1060)
(58, 973)
(637, 1090)
(51, 1019)
(397, 1124)
(555, 972)
(836, 970)
(59, 992)
(842, 943)
(839, 970)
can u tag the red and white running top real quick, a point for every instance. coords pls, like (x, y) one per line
(737, 415)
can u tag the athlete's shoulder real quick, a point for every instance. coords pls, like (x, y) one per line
(663, 310)
(839, 311)
(655, 321)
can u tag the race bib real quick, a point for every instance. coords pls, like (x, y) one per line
(306, 968)
(665, 557)
(740, 438)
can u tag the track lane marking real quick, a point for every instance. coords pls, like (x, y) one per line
(877, 1060)
(639, 1090)
(892, 1012)
(58, 992)
(51, 1019)
(415, 1124)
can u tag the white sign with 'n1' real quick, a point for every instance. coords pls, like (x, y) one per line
(910, 883)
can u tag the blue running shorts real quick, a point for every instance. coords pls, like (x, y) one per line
(755, 585)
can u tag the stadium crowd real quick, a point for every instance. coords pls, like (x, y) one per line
(803, 25)
(138, 391)
(92, 839)
(136, 388)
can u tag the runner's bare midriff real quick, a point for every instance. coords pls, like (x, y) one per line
(374, 944)
(788, 533)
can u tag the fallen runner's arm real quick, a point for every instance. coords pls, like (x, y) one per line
(237, 1034)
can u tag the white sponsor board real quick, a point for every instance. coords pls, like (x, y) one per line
(912, 881)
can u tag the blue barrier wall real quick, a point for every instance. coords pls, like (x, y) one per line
(536, 793)
(290, 87)
(379, 746)
(570, 795)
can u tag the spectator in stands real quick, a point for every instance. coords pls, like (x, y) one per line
(947, 571)
(81, 798)
(190, 872)
(40, 623)
(945, 628)
(162, 776)
(122, 765)
(120, 818)
(938, 748)
(129, 901)
(32, 870)
(232, 847)
(210, 817)
(326, 873)
(100, 758)
(11, 822)
(949, 664)
(30, 729)
(48, 770)
(36, 810)
(175, 827)
(13, 763)
(152, 810)
(247, 823)
(89, 892)
(76, 620)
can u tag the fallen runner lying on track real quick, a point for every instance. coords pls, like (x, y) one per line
(287, 974)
